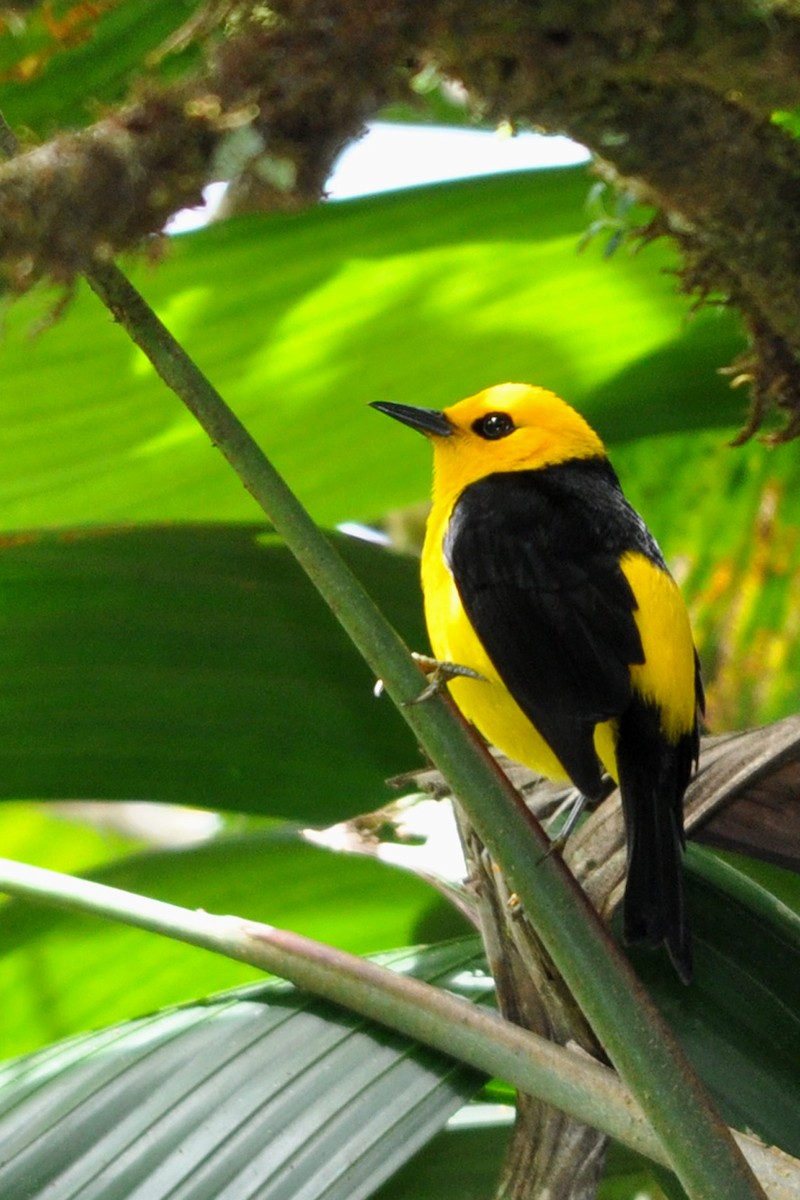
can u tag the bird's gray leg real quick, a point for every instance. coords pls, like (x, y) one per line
(439, 675)
(578, 805)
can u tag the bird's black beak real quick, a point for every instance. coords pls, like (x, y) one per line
(426, 420)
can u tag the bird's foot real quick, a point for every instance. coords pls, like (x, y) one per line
(439, 675)
(573, 816)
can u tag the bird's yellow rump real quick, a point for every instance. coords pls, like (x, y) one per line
(539, 576)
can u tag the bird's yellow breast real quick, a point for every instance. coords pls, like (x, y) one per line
(485, 702)
(666, 677)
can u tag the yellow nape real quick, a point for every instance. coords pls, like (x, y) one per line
(546, 431)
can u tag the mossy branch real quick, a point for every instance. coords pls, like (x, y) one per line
(676, 101)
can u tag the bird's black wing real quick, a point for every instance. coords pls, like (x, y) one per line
(535, 557)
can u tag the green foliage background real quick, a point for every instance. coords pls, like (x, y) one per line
(158, 644)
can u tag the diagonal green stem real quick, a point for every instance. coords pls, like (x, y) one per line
(640, 1045)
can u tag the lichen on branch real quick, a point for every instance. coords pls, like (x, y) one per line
(271, 108)
(82, 197)
(675, 98)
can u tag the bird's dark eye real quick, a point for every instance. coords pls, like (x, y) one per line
(494, 425)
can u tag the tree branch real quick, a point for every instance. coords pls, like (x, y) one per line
(675, 99)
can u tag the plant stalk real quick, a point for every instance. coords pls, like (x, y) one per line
(579, 1085)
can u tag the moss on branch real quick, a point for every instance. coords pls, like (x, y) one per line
(675, 98)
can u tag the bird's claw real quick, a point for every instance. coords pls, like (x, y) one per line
(439, 675)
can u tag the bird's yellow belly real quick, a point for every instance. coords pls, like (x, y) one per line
(486, 702)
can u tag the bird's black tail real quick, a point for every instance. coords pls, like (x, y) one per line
(653, 775)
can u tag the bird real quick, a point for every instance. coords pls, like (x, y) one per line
(569, 644)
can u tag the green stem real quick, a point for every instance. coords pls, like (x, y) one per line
(465, 1031)
(583, 1088)
(637, 1040)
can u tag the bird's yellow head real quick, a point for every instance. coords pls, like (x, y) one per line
(509, 427)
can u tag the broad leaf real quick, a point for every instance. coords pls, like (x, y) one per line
(195, 665)
(422, 296)
(740, 1019)
(262, 1092)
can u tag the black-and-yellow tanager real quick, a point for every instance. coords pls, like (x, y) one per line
(540, 577)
